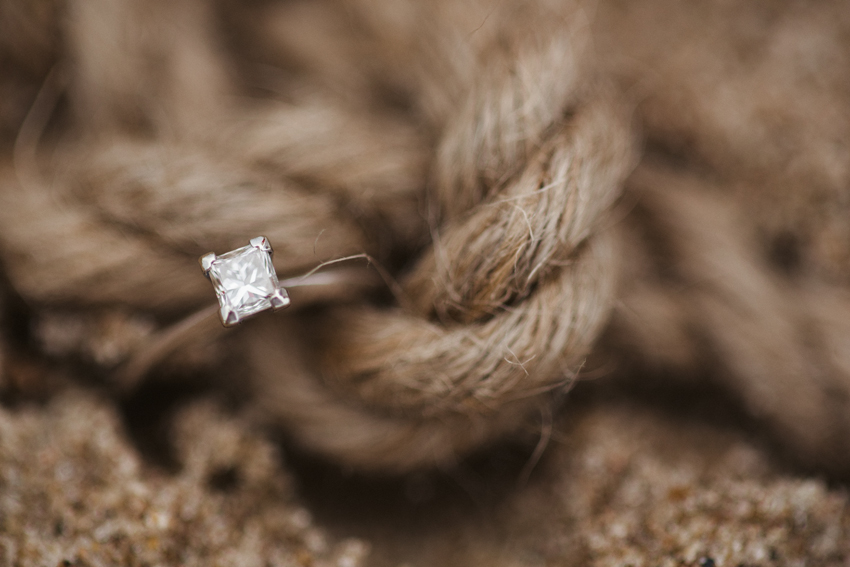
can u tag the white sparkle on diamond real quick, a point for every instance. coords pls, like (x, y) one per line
(244, 280)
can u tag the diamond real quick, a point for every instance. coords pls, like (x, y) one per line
(245, 281)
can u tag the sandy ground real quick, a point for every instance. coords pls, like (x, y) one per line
(627, 478)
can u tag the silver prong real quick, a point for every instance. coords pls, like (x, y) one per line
(279, 299)
(229, 317)
(262, 243)
(206, 262)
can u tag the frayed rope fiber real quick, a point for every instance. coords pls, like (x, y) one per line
(478, 150)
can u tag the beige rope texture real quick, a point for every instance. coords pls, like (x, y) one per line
(475, 149)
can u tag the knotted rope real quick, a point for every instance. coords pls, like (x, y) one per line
(474, 149)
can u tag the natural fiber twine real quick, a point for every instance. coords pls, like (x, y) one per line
(484, 154)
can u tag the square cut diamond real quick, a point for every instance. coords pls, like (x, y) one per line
(245, 281)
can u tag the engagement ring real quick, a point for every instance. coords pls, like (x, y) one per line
(245, 281)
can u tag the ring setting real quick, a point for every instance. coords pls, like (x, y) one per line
(245, 281)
